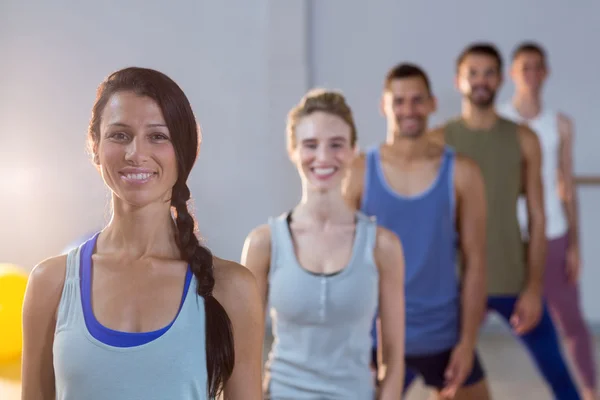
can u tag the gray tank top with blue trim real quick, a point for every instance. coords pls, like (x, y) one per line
(172, 366)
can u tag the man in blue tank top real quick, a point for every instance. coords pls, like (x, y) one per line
(434, 201)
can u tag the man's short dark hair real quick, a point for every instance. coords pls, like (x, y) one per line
(480, 48)
(406, 70)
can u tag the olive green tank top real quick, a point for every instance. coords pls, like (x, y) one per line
(498, 153)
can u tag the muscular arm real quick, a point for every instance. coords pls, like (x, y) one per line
(41, 301)
(471, 221)
(533, 188)
(353, 186)
(569, 192)
(389, 257)
(237, 291)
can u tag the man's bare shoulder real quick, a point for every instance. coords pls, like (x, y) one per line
(565, 125)
(529, 140)
(437, 135)
(466, 171)
(465, 163)
(525, 132)
(359, 162)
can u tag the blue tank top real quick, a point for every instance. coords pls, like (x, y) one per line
(425, 224)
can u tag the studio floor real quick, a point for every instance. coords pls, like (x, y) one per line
(511, 372)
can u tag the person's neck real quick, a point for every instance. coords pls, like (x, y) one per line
(323, 207)
(478, 118)
(141, 232)
(527, 103)
(407, 148)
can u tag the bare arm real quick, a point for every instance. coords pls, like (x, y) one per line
(40, 305)
(237, 291)
(353, 186)
(256, 256)
(569, 192)
(389, 257)
(533, 188)
(472, 214)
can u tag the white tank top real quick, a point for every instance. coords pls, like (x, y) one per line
(545, 125)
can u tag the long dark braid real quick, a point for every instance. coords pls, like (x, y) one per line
(219, 332)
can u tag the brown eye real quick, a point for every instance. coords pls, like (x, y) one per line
(119, 136)
(158, 137)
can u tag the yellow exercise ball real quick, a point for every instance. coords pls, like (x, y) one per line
(13, 281)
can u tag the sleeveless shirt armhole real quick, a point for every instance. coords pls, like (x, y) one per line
(70, 299)
(451, 162)
(369, 164)
(371, 238)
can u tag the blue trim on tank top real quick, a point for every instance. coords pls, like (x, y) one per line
(444, 165)
(448, 160)
(106, 335)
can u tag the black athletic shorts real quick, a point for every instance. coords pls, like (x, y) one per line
(431, 368)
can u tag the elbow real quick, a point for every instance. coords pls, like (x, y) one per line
(393, 354)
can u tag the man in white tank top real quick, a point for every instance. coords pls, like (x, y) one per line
(555, 131)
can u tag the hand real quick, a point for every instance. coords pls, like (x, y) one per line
(527, 312)
(458, 369)
(573, 264)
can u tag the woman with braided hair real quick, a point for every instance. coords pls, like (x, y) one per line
(142, 310)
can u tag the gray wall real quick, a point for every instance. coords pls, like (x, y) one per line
(243, 64)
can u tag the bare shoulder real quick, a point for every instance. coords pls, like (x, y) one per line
(357, 169)
(45, 286)
(465, 164)
(50, 271)
(437, 135)
(387, 245)
(359, 161)
(565, 125)
(259, 238)
(466, 170)
(530, 143)
(386, 239)
(234, 284)
(354, 183)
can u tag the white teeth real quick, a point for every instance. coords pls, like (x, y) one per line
(139, 177)
(324, 171)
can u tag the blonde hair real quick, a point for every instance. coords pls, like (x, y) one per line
(328, 101)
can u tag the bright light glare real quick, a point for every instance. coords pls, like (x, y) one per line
(17, 181)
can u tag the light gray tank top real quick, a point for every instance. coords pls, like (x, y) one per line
(322, 323)
(172, 366)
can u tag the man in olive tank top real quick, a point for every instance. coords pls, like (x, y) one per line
(509, 156)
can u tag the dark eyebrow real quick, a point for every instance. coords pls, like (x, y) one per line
(122, 125)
